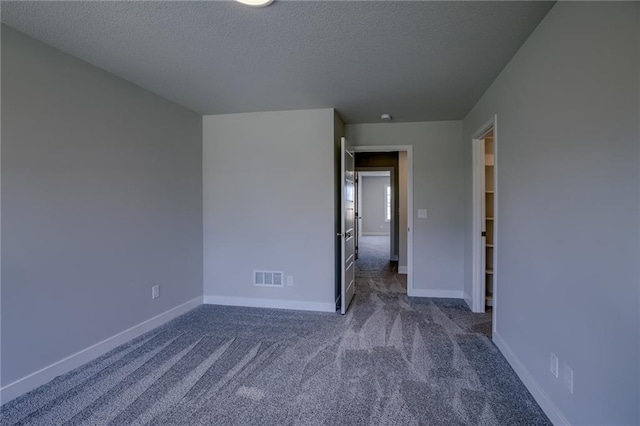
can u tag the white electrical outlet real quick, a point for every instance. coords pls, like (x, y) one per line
(567, 377)
(554, 365)
(422, 213)
(155, 291)
(290, 280)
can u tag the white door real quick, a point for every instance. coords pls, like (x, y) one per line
(347, 234)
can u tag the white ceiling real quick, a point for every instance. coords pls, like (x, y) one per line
(416, 60)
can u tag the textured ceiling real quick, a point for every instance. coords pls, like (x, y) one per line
(416, 60)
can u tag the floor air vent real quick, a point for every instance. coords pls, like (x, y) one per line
(268, 278)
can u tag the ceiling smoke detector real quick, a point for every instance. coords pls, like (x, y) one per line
(256, 3)
(385, 117)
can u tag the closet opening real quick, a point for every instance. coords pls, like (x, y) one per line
(485, 222)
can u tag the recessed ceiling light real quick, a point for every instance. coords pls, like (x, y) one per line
(385, 117)
(256, 3)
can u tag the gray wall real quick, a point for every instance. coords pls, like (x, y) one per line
(438, 186)
(568, 207)
(269, 205)
(373, 207)
(101, 198)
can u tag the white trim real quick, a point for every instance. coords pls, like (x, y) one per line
(387, 201)
(46, 374)
(446, 294)
(376, 234)
(484, 129)
(409, 150)
(494, 282)
(402, 270)
(478, 284)
(376, 169)
(477, 249)
(541, 397)
(468, 301)
(252, 302)
(1, 400)
(358, 217)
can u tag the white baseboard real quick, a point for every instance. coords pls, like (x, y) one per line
(449, 294)
(375, 234)
(403, 270)
(269, 303)
(46, 374)
(468, 301)
(541, 397)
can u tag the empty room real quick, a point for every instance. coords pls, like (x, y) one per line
(266, 212)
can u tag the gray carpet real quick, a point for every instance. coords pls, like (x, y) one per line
(375, 273)
(392, 360)
(373, 253)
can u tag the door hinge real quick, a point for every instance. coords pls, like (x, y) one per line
(484, 233)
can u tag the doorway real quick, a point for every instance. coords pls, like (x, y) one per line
(485, 220)
(384, 222)
(376, 264)
(375, 212)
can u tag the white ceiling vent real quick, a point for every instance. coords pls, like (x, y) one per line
(268, 278)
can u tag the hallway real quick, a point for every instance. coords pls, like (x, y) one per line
(375, 273)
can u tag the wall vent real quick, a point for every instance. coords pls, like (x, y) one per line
(268, 278)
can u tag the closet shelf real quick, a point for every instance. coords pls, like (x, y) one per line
(490, 271)
(489, 218)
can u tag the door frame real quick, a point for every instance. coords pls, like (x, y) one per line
(409, 150)
(373, 171)
(478, 283)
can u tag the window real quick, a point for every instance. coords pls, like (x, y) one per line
(387, 204)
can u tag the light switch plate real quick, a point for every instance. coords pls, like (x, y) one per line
(422, 213)
(567, 377)
(554, 365)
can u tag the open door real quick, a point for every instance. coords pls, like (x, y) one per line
(347, 234)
